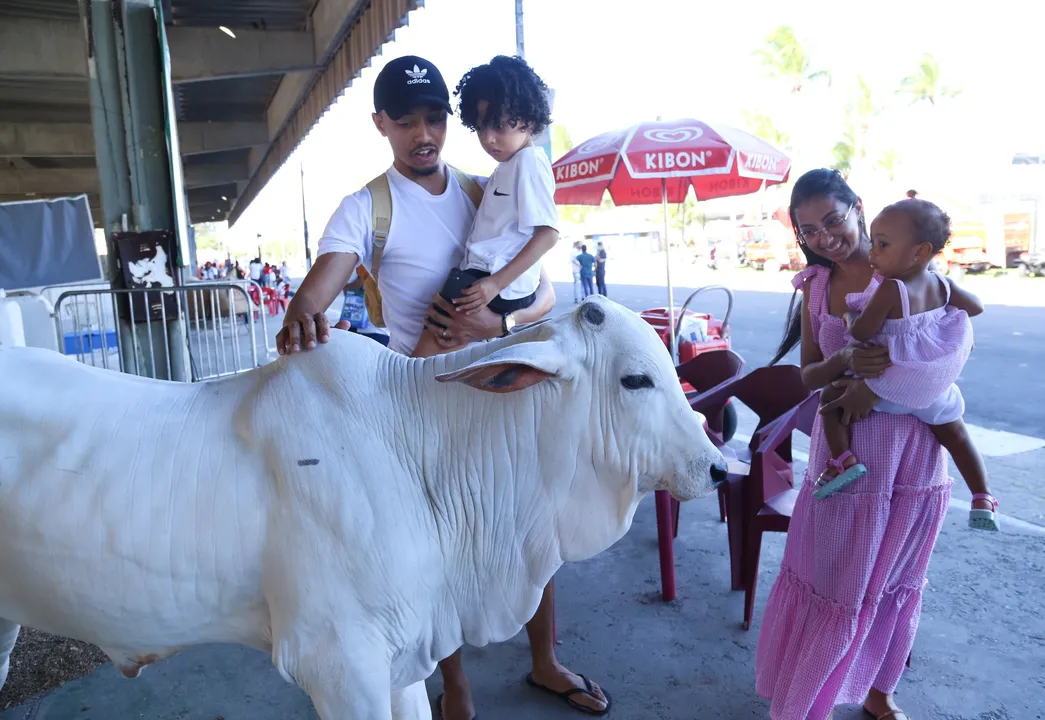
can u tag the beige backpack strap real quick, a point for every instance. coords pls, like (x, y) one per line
(471, 188)
(381, 217)
(381, 221)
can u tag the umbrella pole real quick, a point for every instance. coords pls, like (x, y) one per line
(667, 260)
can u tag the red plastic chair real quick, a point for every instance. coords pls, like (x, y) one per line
(770, 392)
(705, 371)
(271, 301)
(768, 494)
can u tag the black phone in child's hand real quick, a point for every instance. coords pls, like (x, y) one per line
(456, 283)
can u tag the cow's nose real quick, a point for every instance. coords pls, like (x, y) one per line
(719, 474)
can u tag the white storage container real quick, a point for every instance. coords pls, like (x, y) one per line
(11, 331)
(38, 321)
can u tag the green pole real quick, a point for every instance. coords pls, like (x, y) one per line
(133, 152)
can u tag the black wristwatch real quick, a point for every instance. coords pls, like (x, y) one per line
(507, 323)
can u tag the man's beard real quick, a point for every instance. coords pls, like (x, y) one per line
(424, 172)
(428, 170)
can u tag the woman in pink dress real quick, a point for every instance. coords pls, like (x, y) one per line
(842, 616)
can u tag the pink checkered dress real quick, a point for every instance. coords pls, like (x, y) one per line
(844, 611)
(927, 350)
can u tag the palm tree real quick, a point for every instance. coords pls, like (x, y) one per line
(844, 152)
(783, 56)
(863, 111)
(859, 112)
(562, 144)
(760, 125)
(888, 161)
(926, 83)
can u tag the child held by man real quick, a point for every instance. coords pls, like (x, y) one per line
(506, 104)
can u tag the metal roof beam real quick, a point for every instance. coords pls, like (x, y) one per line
(85, 180)
(55, 49)
(46, 140)
(328, 19)
(77, 139)
(44, 49)
(49, 182)
(206, 137)
(348, 34)
(201, 53)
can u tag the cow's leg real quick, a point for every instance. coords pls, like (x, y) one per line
(346, 677)
(411, 703)
(8, 636)
(342, 690)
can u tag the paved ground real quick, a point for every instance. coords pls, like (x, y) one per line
(980, 653)
(981, 648)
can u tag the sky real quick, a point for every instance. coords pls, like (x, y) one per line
(613, 63)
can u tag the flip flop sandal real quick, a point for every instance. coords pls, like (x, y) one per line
(984, 519)
(897, 714)
(846, 476)
(567, 696)
(439, 708)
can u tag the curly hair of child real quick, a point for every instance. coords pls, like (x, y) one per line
(511, 88)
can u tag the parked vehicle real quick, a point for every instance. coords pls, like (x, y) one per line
(976, 246)
(776, 249)
(1031, 263)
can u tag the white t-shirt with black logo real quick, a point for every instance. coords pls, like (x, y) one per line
(519, 198)
(425, 241)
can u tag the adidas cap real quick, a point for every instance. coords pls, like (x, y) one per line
(407, 83)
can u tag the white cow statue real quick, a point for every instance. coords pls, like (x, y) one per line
(358, 514)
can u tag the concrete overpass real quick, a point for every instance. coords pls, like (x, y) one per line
(243, 99)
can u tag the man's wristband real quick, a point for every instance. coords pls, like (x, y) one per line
(507, 324)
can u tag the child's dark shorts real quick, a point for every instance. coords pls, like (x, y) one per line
(458, 280)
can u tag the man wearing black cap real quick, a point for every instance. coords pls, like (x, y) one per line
(432, 215)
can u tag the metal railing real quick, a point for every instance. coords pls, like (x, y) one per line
(218, 343)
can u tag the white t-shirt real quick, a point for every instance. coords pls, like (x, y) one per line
(255, 271)
(520, 198)
(425, 241)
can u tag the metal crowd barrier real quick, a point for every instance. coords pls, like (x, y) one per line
(219, 344)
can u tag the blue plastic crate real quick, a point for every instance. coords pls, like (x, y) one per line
(89, 341)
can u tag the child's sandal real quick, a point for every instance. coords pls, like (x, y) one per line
(984, 519)
(827, 486)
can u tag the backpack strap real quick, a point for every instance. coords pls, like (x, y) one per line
(472, 189)
(381, 210)
(381, 217)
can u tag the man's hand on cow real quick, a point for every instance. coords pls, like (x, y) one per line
(478, 295)
(302, 331)
(461, 328)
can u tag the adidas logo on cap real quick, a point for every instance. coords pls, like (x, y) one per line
(417, 76)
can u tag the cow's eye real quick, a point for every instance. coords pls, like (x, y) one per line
(636, 382)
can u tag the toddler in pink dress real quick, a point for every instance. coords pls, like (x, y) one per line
(924, 321)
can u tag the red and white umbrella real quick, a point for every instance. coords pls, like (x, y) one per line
(659, 161)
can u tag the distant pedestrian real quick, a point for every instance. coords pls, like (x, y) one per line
(600, 269)
(587, 263)
(576, 267)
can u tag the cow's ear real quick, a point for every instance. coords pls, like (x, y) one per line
(510, 369)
